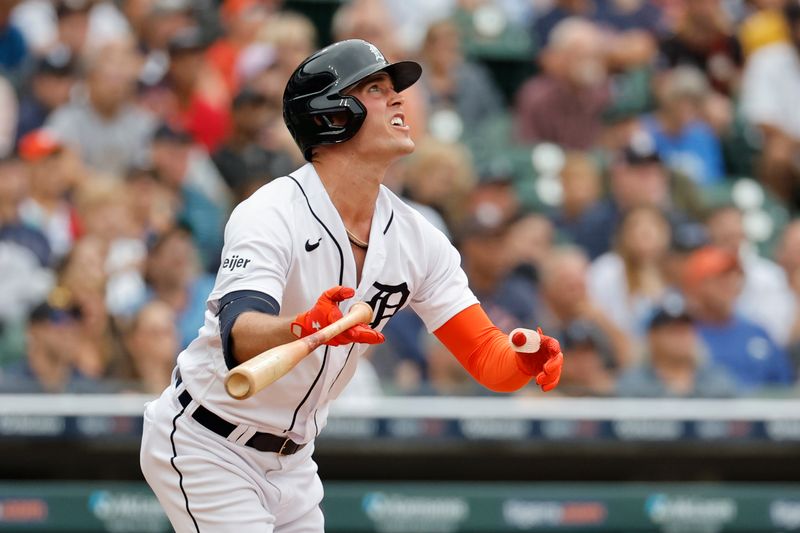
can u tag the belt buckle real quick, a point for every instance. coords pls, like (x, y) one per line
(286, 441)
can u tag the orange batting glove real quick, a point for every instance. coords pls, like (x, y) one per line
(325, 312)
(545, 364)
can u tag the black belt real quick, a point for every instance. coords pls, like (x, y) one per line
(263, 442)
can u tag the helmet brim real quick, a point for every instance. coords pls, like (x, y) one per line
(404, 74)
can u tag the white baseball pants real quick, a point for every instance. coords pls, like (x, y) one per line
(207, 484)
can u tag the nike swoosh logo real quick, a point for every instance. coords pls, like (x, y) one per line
(311, 247)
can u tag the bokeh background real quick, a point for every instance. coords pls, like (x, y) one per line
(623, 173)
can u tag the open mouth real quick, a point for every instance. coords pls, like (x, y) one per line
(398, 121)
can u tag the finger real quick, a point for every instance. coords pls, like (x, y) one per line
(549, 345)
(365, 335)
(544, 379)
(550, 386)
(519, 339)
(554, 364)
(339, 293)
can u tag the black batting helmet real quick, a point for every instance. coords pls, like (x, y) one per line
(314, 91)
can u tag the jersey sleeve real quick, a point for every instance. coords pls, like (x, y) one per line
(444, 290)
(256, 254)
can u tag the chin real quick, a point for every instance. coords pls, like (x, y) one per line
(408, 147)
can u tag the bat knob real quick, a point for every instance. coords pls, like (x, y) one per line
(524, 340)
(519, 339)
(238, 385)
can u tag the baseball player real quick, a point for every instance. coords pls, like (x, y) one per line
(297, 253)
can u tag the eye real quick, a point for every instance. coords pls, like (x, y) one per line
(374, 88)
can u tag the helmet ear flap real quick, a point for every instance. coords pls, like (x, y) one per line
(326, 130)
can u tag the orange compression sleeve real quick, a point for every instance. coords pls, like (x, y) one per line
(483, 350)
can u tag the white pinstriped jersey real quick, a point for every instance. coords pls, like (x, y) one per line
(288, 241)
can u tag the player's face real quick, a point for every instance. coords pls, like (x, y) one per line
(384, 132)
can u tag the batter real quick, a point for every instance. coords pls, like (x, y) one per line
(297, 253)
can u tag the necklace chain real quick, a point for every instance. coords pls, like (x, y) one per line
(355, 240)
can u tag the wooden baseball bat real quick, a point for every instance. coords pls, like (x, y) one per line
(267, 367)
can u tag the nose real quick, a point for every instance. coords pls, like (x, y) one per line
(395, 99)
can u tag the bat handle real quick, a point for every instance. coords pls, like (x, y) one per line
(267, 367)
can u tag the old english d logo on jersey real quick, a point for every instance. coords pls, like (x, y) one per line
(387, 301)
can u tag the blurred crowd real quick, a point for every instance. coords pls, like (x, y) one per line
(623, 173)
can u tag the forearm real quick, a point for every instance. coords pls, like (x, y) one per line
(483, 350)
(255, 332)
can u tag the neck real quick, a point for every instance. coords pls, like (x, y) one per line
(352, 185)
(678, 375)
(106, 111)
(671, 125)
(709, 315)
(240, 139)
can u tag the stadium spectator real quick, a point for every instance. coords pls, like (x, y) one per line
(152, 342)
(565, 301)
(674, 365)
(291, 37)
(106, 127)
(174, 276)
(564, 104)
(13, 48)
(685, 142)
(628, 282)
(582, 189)
(51, 83)
(81, 283)
(24, 260)
(763, 26)
(637, 178)
(713, 281)
(590, 371)
(530, 241)
(770, 84)
(72, 25)
(154, 23)
(701, 34)
(508, 300)
(154, 207)
(46, 207)
(193, 180)
(439, 175)
(199, 98)
(13, 190)
(453, 84)
(242, 20)
(686, 238)
(766, 297)
(242, 161)
(106, 214)
(53, 339)
(85, 25)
